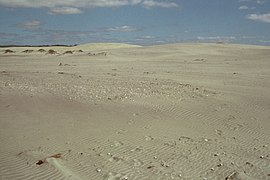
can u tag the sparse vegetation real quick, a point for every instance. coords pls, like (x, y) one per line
(41, 50)
(98, 54)
(68, 52)
(28, 51)
(8, 51)
(51, 51)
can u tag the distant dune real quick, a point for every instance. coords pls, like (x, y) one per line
(118, 111)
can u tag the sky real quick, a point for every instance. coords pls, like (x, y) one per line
(142, 22)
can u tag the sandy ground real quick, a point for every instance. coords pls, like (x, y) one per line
(115, 111)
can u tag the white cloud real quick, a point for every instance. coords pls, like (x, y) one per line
(148, 37)
(259, 17)
(72, 6)
(260, 2)
(245, 8)
(62, 3)
(64, 10)
(255, 1)
(30, 25)
(122, 29)
(244, 0)
(136, 1)
(151, 4)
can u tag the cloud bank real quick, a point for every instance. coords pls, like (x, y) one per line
(64, 10)
(122, 29)
(259, 17)
(30, 25)
(76, 6)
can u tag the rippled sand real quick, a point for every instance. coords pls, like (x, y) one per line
(117, 111)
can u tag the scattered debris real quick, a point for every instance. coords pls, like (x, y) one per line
(19, 153)
(231, 176)
(42, 161)
(59, 155)
(164, 164)
(219, 165)
(250, 164)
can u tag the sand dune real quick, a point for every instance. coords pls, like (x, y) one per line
(177, 111)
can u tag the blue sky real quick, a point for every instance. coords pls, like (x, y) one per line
(144, 22)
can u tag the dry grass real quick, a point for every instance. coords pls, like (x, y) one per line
(9, 51)
(51, 51)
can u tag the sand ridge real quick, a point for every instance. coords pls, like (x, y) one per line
(177, 111)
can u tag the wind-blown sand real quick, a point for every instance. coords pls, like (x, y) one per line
(115, 111)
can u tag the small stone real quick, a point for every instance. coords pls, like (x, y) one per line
(219, 165)
(261, 157)
(212, 169)
(98, 170)
(155, 157)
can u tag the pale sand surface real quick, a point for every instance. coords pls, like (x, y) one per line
(179, 111)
